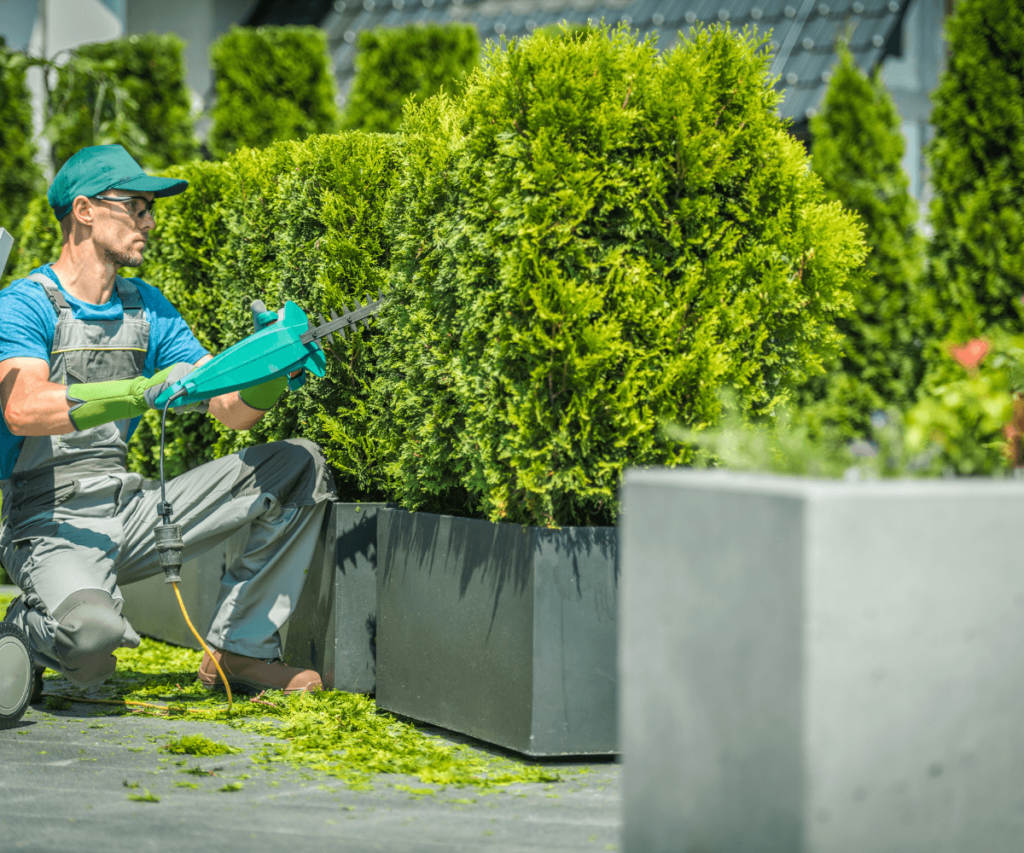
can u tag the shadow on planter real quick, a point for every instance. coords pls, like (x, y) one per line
(502, 632)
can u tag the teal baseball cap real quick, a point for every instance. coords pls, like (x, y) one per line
(104, 167)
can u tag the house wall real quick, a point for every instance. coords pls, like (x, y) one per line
(910, 79)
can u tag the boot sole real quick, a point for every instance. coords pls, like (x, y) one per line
(17, 674)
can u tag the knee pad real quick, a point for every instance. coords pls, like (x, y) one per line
(89, 628)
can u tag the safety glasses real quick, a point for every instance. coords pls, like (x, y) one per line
(138, 207)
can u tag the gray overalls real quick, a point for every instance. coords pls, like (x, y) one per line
(75, 521)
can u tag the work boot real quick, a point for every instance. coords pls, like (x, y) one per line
(252, 675)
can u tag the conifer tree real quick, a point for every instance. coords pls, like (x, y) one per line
(857, 151)
(977, 158)
(394, 64)
(273, 84)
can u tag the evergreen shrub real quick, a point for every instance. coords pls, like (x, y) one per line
(407, 62)
(977, 159)
(272, 84)
(300, 221)
(20, 176)
(131, 91)
(857, 151)
(596, 239)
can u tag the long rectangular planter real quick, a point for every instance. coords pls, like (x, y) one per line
(332, 629)
(814, 666)
(502, 632)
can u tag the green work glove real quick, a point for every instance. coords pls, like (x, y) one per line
(265, 395)
(98, 403)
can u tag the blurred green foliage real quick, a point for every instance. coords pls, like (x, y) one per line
(272, 84)
(413, 62)
(129, 90)
(977, 161)
(21, 178)
(858, 151)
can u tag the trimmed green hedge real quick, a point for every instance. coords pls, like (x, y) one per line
(412, 62)
(273, 84)
(299, 221)
(977, 159)
(130, 90)
(593, 240)
(857, 151)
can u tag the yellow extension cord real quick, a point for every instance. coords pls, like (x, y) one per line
(137, 703)
(206, 648)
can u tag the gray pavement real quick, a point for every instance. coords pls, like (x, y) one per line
(64, 778)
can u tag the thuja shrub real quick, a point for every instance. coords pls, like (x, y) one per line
(857, 151)
(20, 176)
(131, 91)
(296, 221)
(977, 159)
(413, 62)
(272, 84)
(594, 240)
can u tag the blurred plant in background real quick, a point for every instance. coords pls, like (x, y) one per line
(273, 84)
(858, 150)
(977, 161)
(396, 65)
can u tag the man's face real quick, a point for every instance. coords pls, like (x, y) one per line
(121, 224)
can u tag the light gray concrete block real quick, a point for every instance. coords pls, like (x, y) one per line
(821, 667)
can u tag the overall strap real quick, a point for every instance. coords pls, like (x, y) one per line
(53, 293)
(128, 291)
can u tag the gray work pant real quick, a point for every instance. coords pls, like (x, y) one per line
(69, 550)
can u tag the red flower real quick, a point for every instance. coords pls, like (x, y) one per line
(970, 355)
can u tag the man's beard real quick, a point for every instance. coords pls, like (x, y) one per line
(124, 258)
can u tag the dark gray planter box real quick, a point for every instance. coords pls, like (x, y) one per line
(333, 625)
(502, 632)
(814, 666)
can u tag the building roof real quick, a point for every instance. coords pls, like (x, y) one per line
(804, 32)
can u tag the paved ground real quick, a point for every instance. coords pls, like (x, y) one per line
(66, 779)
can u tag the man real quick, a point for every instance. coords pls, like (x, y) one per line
(83, 353)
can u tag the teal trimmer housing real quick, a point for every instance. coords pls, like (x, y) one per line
(285, 342)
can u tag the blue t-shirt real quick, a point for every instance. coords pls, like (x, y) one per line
(28, 323)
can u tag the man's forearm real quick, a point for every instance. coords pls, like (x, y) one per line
(233, 413)
(43, 412)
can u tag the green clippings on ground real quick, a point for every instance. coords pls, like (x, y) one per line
(199, 771)
(329, 733)
(144, 797)
(185, 785)
(57, 703)
(198, 745)
(128, 784)
(231, 787)
(419, 792)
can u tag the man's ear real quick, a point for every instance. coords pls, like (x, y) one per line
(82, 211)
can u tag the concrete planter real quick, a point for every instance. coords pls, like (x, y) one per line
(821, 666)
(502, 632)
(332, 628)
